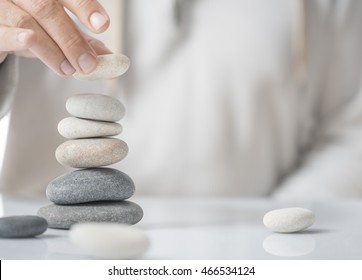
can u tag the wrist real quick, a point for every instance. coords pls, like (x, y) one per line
(3, 57)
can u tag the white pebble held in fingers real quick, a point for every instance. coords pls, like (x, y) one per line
(96, 107)
(289, 220)
(72, 128)
(109, 66)
(109, 240)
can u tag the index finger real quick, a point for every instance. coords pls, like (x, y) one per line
(89, 12)
(50, 15)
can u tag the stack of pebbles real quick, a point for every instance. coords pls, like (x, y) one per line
(93, 193)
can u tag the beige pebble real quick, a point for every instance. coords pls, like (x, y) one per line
(109, 66)
(81, 128)
(95, 106)
(86, 153)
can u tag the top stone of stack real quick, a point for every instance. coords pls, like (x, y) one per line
(109, 66)
(97, 107)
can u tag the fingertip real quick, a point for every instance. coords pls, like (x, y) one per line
(67, 68)
(26, 38)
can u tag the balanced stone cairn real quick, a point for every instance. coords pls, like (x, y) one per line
(92, 193)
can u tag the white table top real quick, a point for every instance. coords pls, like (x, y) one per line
(210, 228)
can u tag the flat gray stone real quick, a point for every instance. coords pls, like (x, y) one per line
(92, 184)
(22, 226)
(81, 128)
(94, 106)
(91, 152)
(64, 216)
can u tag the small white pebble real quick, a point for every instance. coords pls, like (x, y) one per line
(109, 66)
(289, 219)
(109, 240)
(93, 106)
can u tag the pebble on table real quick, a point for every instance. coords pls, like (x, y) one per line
(22, 226)
(289, 220)
(64, 216)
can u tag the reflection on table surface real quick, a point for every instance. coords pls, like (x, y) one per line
(209, 228)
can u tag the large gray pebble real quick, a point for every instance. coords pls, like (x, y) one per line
(22, 226)
(64, 216)
(81, 128)
(94, 106)
(93, 184)
(94, 152)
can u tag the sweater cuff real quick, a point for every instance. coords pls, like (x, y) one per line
(8, 81)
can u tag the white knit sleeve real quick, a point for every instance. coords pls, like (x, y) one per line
(332, 168)
(8, 81)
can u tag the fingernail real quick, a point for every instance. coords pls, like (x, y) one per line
(67, 68)
(87, 62)
(97, 20)
(22, 36)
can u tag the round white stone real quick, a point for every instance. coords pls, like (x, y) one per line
(109, 66)
(81, 128)
(289, 219)
(94, 106)
(109, 241)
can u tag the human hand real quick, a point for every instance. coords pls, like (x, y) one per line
(42, 29)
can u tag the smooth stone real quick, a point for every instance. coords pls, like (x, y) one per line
(81, 128)
(64, 216)
(95, 106)
(22, 226)
(95, 152)
(109, 241)
(289, 219)
(109, 66)
(92, 184)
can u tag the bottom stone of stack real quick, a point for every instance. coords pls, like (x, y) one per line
(64, 216)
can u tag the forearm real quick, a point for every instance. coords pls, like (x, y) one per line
(332, 168)
(8, 81)
(334, 173)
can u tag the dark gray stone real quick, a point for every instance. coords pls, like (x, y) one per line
(64, 216)
(87, 185)
(22, 226)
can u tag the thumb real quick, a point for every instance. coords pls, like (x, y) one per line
(99, 47)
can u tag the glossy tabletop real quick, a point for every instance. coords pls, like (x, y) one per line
(209, 228)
